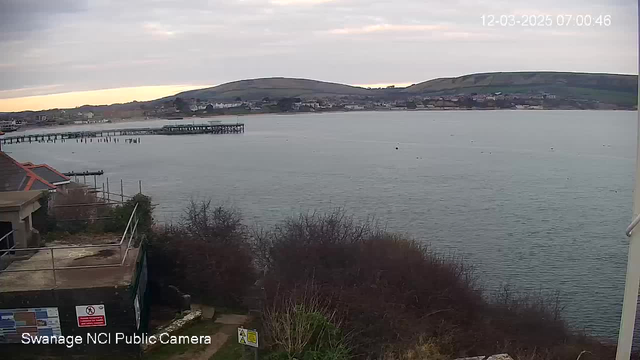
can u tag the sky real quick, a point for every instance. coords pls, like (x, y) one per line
(64, 53)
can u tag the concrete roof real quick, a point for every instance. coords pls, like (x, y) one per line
(22, 279)
(14, 200)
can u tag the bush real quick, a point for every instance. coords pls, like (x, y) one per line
(303, 327)
(77, 211)
(392, 293)
(121, 214)
(206, 254)
(311, 246)
(425, 349)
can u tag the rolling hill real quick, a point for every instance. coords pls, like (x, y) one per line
(256, 89)
(606, 88)
(615, 89)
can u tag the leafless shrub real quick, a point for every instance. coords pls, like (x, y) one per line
(424, 349)
(218, 224)
(392, 291)
(207, 254)
(78, 210)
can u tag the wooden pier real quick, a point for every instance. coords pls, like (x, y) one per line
(186, 129)
(84, 173)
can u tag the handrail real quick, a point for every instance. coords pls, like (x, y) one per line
(118, 264)
(126, 252)
(633, 225)
(7, 235)
(54, 268)
(129, 223)
(63, 247)
(8, 250)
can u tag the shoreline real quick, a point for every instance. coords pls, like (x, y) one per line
(142, 119)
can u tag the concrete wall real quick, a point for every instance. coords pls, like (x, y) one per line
(21, 222)
(120, 318)
(119, 313)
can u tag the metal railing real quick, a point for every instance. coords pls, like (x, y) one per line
(8, 238)
(129, 232)
(632, 226)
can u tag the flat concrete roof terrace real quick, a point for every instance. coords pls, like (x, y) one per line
(80, 255)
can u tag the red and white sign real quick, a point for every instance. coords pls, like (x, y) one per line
(91, 315)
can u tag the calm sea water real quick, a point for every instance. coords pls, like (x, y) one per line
(539, 200)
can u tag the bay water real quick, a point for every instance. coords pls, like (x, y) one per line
(535, 199)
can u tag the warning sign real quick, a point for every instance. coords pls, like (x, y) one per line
(248, 337)
(91, 315)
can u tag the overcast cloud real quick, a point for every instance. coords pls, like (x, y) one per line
(65, 45)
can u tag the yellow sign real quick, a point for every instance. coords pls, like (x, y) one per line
(252, 337)
(248, 337)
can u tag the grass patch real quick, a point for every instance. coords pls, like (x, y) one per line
(231, 350)
(203, 327)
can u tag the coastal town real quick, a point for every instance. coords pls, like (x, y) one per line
(180, 108)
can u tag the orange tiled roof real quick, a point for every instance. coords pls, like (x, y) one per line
(46, 172)
(16, 177)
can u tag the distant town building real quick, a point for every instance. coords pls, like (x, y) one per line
(311, 104)
(100, 121)
(227, 105)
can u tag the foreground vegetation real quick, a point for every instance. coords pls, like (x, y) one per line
(333, 288)
(329, 287)
(77, 212)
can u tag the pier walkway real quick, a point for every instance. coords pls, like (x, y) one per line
(186, 129)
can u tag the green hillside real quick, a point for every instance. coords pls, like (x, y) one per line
(618, 90)
(606, 88)
(276, 88)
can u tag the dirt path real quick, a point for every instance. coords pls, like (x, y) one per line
(229, 328)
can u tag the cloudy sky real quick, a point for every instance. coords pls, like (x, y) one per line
(151, 48)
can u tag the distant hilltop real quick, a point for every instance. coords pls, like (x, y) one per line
(273, 88)
(614, 89)
(568, 90)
